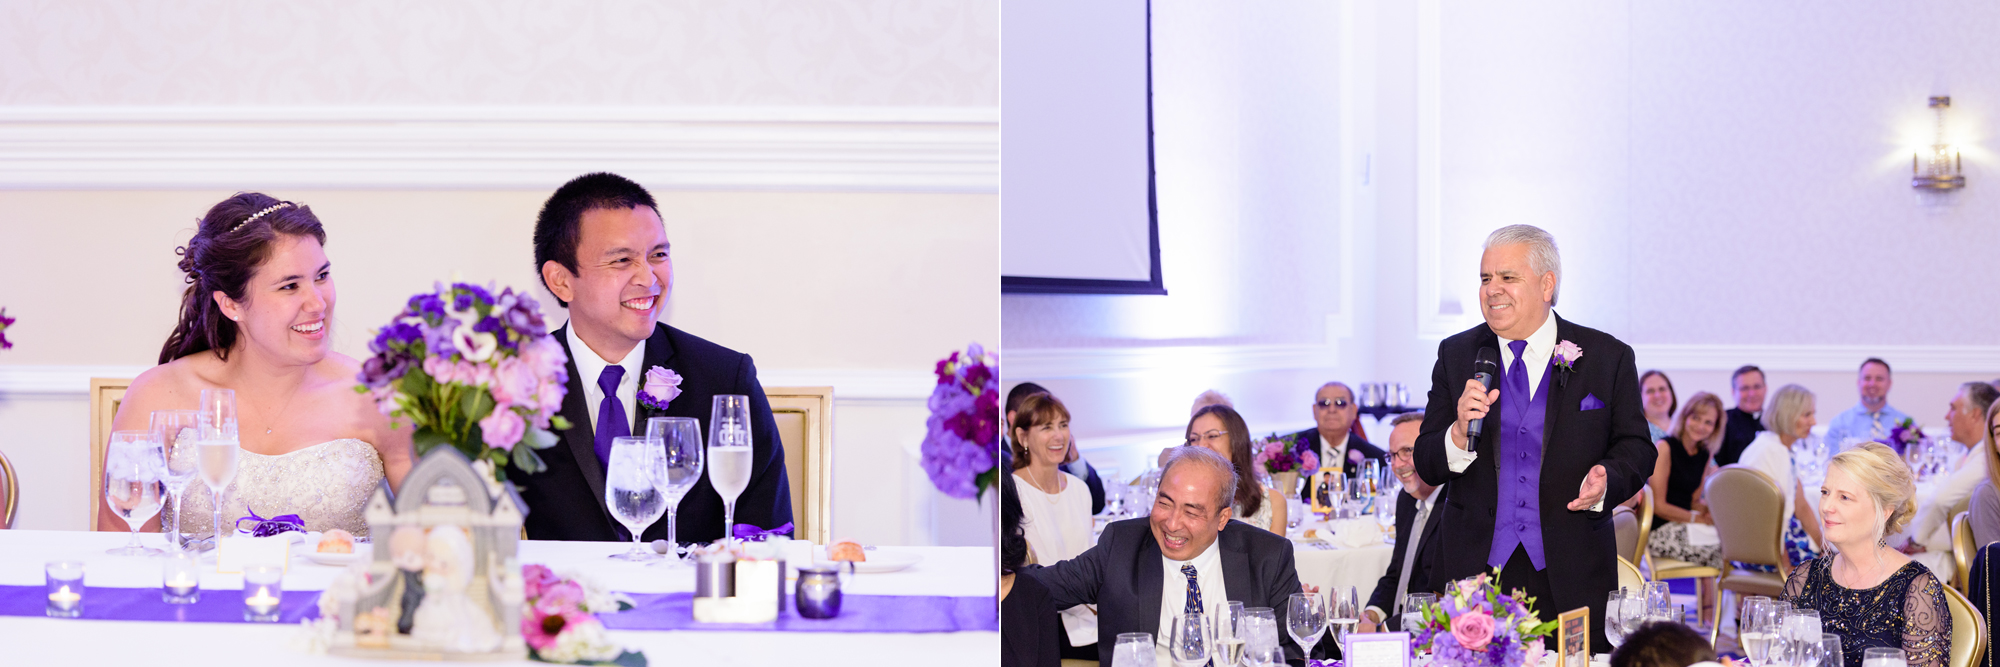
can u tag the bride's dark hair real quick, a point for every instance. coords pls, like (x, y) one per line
(225, 251)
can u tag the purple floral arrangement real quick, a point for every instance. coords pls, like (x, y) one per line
(1276, 455)
(1475, 624)
(559, 621)
(961, 450)
(473, 370)
(5, 322)
(1904, 434)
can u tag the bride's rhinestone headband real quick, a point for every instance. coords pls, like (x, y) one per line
(253, 217)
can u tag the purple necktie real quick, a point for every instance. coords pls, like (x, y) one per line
(611, 421)
(1517, 372)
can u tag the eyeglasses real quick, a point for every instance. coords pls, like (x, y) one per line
(1199, 438)
(1402, 454)
(1341, 403)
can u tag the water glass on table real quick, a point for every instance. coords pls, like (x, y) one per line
(217, 447)
(1615, 607)
(632, 490)
(1343, 612)
(679, 443)
(1830, 654)
(177, 431)
(134, 469)
(729, 454)
(1260, 629)
(1188, 639)
(1413, 609)
(1134, 649)
(1884, 657)
(1305, 620)
(1230, 636)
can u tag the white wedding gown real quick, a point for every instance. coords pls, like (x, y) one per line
(327, 485)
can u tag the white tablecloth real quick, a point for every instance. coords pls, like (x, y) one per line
(1321, 564)
(951, 571)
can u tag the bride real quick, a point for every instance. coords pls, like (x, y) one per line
(256, 318)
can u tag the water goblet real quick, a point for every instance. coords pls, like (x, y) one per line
(1829, 651)
(729, 454)
(632, 490)
(1188, 639)
(1305, 619)
(177, 431)
(1413, 609)
(1134, 649)
(1884, 657)
(679, 440)
(1260, 629)
(133, 484)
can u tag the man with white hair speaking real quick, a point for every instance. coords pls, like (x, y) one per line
(1530, 456)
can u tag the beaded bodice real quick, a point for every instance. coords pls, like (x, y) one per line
(327, 485)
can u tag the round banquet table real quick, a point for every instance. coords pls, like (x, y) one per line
(1329, 566)
(948, 571)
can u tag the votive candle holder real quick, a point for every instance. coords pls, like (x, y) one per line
(263, 589)
(180, 578)
(65, 586)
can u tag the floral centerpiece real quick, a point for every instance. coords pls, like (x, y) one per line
(560, 623)
(1473, 623)
(474, 370)
(5, 322)
(1285, 466)
(1903, 435)
(961, 451)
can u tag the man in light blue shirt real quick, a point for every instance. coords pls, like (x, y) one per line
(1873, 418)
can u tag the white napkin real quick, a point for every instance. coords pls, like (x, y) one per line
(1702, 535)
(1351, 533)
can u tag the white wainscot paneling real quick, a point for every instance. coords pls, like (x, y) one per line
(901, 149)
(1844, 358)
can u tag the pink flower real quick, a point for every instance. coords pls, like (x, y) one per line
(1355, 456)
(473, 374)
(441, 369)
(1567, 353)
(503, 428)
(541, 628)
(1473, 630)
(535, 578)
(1535, 651)
(561, 595)
(514, 383)
(1309, 463)
(661, 386)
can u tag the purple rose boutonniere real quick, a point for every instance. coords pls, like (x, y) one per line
(660, 388)
(1566, 355)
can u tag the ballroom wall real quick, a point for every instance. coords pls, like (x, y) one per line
(1728, 184)
(827, 173)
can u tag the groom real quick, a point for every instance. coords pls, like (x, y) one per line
(603, 253)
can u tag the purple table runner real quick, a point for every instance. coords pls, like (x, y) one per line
(671, 611)
(858, 613)
(145, 604)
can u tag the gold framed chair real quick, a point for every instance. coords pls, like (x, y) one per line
(106, 394)
(1662, 569)
(1629, 577)
(10, 492)
(1968, 629)
(1752, 532)
(805, 428)
(1962, 550)
(1625, 525)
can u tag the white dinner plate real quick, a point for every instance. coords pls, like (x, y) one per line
(880, 561)
(361, 553)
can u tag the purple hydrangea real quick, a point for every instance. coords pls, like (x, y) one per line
(963, 429)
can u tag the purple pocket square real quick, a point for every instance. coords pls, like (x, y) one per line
(1590, 402)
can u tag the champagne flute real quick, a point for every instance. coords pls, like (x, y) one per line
(217, 448)
(632, 491)
(729, 454)
(1188, 639)
(133, 468)
(1230, 638)
(1343, 612)
(1305, 619)
(177, 431)
(679, 440)
(1750, 630)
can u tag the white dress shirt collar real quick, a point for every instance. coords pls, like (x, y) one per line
(1541, 345)
(1334, 451)
(589, 366)
(1173, 591)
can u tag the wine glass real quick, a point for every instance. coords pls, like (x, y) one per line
(217, 447)
(1750, 630)
(632, 490)
(177, 431)
(1829, 651)
(1801, 631)
(1343, 612)
(1658, 598)
(679, 443)
(1884, 657)
(1134, 649)
(1413, 609)
(729, 454)
(1336, 493)
(1188, 639)
(1614, 608)
(1231, 636)
(133, 467)
(1305, 619)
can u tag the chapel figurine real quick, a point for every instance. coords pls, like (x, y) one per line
(406, 550)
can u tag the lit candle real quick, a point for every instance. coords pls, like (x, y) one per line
(262, 602)
(180, 584)
(65, 599)
(262, 588)
(65, 587)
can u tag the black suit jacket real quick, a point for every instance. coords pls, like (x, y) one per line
(1580, 547)
(1736, 436)
(1308, 441)
(1123, 576)
(1385, 594)
(566, 501)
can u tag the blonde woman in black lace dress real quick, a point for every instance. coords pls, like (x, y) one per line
(1869, 594)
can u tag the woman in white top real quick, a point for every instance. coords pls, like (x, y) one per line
(1055, 505)
(1788, 419)
(1220, 429)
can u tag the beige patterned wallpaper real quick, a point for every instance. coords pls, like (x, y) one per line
(468, 52)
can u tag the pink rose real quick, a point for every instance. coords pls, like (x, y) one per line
(474, 374)
(1568, 352)
(1309, 463)
(1473, 630)
(567, 595)
(534, 578)
(1535, 651)
(540, 628)
(440, 369)
(514, 383)
(502, 429)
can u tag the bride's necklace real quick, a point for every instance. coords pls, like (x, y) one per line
(288, 406)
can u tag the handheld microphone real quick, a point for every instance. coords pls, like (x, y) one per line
(1484, 363)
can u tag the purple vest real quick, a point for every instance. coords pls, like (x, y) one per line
(1517, 520)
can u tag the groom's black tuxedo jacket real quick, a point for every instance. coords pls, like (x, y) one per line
(1580, 547)
(1123, 576)
(566, 501)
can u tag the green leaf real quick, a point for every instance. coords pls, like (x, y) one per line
(539, 439)
(474, 442)
(986, 480)
(476, 404)
(418, 383)
(1543, 629)
(427, 439)
(558, 422)
(528, 461)
(630, 659)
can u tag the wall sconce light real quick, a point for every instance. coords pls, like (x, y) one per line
(1939, 174)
